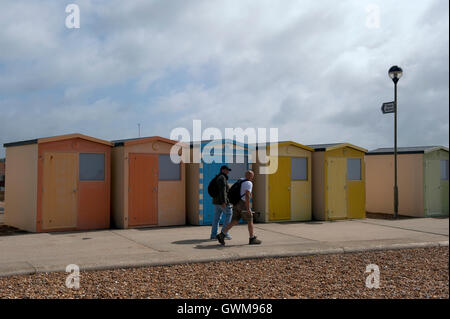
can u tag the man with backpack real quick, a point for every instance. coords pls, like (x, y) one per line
(218, 190)
(240, 195)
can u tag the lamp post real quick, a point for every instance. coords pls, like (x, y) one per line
(395, 73)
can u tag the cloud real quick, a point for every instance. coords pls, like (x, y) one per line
(312, 68)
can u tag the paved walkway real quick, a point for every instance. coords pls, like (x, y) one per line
(29, 253)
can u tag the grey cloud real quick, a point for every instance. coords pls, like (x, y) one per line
(310, 68)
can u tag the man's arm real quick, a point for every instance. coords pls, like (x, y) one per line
(221, 181)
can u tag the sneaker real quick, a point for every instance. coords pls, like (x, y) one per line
(213, 237)
(221, 238)
(228, 236)
(254, 241)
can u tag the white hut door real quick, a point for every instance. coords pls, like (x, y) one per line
(433, 187)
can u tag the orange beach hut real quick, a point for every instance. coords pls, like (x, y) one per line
(58, 183)
(422, 181)
(148, 189)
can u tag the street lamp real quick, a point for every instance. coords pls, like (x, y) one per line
(395, 73)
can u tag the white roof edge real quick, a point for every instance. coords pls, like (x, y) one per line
(429, 150)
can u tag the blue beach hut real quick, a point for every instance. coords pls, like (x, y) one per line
(202, 169)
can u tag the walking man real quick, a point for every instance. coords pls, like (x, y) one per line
(221, 203)
(242, 210)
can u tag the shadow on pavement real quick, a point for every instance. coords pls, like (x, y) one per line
(9, 231)
(387, 216)
(145, 228)
(190, 241)
(218, 246)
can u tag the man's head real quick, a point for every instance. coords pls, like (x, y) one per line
(225, 169)
(249, 175)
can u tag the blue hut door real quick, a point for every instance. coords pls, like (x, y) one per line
(209, 172)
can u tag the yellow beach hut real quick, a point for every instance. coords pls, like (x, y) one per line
(284, 195)
(338, 181)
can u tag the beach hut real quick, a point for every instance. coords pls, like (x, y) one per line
(148, 188)
(2, 172)
(422, 181)
(284, 195)
(338, 181)
(2, 179)
(238, 156)
(58, 183)
(2, 188)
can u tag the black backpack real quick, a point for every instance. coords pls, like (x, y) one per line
(213, 190)
(234, 194)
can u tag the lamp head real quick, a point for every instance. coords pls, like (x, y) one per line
(395, 73)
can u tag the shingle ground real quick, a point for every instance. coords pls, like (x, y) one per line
(412, 273)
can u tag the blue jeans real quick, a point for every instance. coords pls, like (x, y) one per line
(218, 211)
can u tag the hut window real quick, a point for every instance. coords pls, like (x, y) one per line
(238, 167)
(168, 170)
(444, 170)
(92, 167)
(353, 169)
(299, 169)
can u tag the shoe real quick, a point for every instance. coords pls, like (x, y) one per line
(221, 238)
(254, 241)
(228, 236)
(213, 237)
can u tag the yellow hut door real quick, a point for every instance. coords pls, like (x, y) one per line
(356, 199)
(433, 187)
(280, 191)
(59, 198)
(300, 189)
(336, 188)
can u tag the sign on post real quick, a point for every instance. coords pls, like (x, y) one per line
(388, 107)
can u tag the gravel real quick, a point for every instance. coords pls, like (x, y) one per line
(409, 273)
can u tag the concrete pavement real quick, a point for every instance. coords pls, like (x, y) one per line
(106, 249)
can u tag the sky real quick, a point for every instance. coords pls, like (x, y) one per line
(316, 70)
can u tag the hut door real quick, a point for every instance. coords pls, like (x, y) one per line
(280, 191)
(336, 188)
(210, 170)
(300, 189)
(60, 190)
(143, 190)
(433, 187)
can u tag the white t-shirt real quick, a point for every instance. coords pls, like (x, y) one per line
(246, 186)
